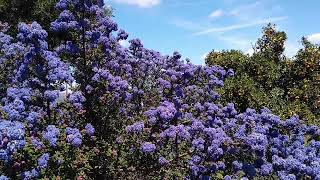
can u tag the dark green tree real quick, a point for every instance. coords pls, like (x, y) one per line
(304, 81)
(271, 44)
(15, 11)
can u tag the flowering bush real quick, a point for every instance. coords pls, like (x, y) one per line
(89, 108)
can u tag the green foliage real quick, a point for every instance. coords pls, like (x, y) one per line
(305, 76)
(269, 79)
(44, 12)
(243, 92)
(17, 11)
(271, 44)
(13, 11)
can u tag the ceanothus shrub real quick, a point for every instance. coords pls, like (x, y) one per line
(38, 131)
(86, 107)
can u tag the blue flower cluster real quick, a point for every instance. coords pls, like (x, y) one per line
(74, 136)
(43, 161)
(30, 174)
(148, 147)
(135, 128)
(219, 134)
(35, 172)
(76, 99)
(12, 138)
(65, 23)
(32, 34)
(89, 129)
(51, 135)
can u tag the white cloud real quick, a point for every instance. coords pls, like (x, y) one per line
(175, 3)
(236, 42)
(186, 24)
(291, 48)
(244, 12)
(203, 57)
(255, 10)
(124, 43)
(217, 13)
(315, 38)
(140, 3)
(240, 26)
(250, 51)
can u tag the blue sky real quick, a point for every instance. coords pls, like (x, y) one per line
(195, 27)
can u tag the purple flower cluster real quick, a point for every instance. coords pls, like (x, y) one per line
(165, 112)
(135, 128)
(163, 161)
(15, 110)
(76, 99)
(74, 136)
(34, 173)
(19, 93)
(33, 34)
(5, 39)
(89, 129)
(51, 135)
(43, 161)
(176, 132)
(220, 132)
(51, 95)
(66, 21)
(148, 147)
(58, 70)
(68, 48)
(122, 35)
(36, 143)
(11, 138)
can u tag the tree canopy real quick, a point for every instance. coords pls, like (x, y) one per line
(268, 78)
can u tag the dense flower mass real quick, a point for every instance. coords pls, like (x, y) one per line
(135, 128)
(51, 135)
(77, 99)
(148, 147)
(12, 138)
(43, 161)
(74, 136)
(86, 107)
